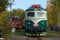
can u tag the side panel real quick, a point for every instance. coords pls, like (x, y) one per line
(43, 25)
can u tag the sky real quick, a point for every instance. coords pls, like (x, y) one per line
(24, 4)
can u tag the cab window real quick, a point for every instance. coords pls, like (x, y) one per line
(40, 14)
(30, 14)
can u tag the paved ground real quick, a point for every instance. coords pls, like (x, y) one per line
(34, 38)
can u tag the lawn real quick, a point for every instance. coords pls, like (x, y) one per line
(53, 33)
(20, 33)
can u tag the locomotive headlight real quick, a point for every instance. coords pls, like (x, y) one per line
(42, 22)
(28, 22)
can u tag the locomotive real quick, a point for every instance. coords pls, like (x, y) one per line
(36, 21)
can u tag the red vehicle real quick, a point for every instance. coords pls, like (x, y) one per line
(14, 21)
(23, 24)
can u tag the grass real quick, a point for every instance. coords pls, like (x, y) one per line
(20, 33)
(53, 34)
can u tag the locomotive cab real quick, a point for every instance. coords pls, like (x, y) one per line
(35, 21)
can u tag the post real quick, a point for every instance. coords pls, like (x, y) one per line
(13, 31)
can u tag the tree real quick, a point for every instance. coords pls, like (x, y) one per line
(4, 21)
(53, 10)
(18, 12)
(4, 4)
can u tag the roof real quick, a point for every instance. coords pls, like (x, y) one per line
(33, 9)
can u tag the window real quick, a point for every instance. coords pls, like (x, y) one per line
(39, 14)
(30, 14)
(15, 19)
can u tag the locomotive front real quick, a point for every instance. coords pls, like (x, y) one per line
(35, 21)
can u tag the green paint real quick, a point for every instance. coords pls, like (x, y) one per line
(33, 9)
(41, 25)
(29, 24)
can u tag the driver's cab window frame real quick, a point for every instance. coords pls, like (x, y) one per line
(28, 14)
(42, 14)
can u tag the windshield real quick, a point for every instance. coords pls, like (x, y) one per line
(40, 14)
(30, 14)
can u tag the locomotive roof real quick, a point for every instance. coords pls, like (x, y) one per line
(33, 9)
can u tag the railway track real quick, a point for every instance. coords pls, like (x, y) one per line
(31, 38)
(36, 38)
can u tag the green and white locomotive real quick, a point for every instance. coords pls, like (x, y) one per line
(35, 21)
